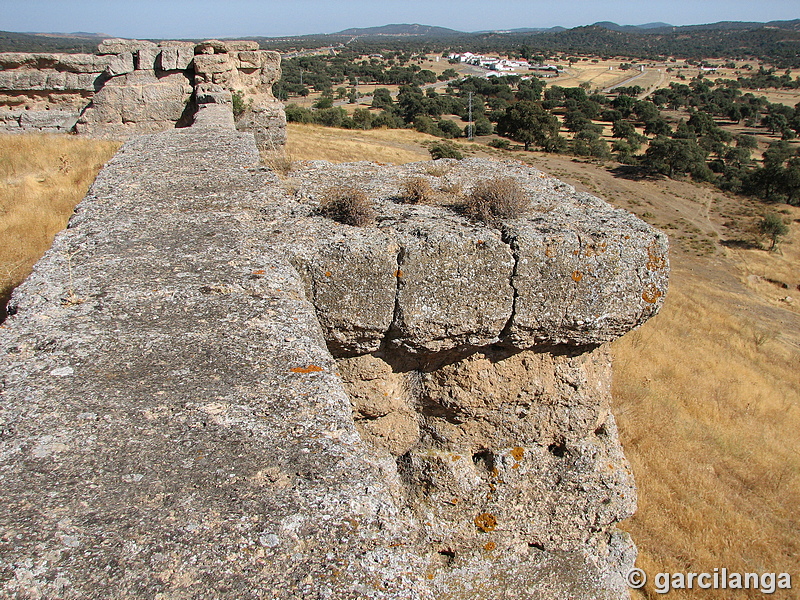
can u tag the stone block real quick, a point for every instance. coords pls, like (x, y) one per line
(176, 58)
(120, 64)
(146, 58)
(119, 45)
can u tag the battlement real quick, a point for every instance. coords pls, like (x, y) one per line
(136, 86)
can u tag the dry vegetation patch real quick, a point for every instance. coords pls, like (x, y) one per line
(278, 161)
(708, 405)
(501, 197)
(416, 190)
(42, 178)
(347, 205)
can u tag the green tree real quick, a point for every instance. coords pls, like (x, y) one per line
(676, 156)
(528, 123)
(382, 98)
(483, 126)
(623, 129)
(773, 227)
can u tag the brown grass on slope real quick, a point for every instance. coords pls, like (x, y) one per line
(708, 404)
(42, 178)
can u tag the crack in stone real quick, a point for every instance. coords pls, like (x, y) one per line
(511, 242)
(394, 331)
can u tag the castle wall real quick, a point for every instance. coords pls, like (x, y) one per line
(135, 86)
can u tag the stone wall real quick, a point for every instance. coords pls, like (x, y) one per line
(136, 86)
(212, 390)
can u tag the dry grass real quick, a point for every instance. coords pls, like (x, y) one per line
(42, 178)
(347, 205)
(500, 197)
(708, 403)
(278, 161)
(416, 190)
(393, 146)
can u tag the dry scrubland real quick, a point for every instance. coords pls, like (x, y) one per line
(42, 178)
(707, 393)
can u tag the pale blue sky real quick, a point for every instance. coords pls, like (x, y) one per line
(219, 18)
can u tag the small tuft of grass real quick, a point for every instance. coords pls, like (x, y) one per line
(501, 197)
(347, 205)
(416, 190)
(278, 161)
(437, 169)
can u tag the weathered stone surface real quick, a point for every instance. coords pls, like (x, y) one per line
(176, 58)
(170, 409)
(73, 63)
(582, 280)
(356, 316)
(211, 47)
(146, 58)
(118, 46)
(42, 81)
(120, 64)
(214, 107)
(178, 363)
(574, 271)
(241, 45)
(30, 79)
(137, 102)
(53, 121)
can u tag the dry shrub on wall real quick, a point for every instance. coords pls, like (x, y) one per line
(416, 190)
(501, 197)
(278, 161)
(347, 205)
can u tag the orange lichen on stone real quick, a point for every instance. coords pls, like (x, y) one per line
(259, 272)
(576, 252)
(651, 294)
(456, 457)
(308, 369)
(548, 252)
(489, 546)
(328, 274)
(655, 260)
(486, 522)
(518, 452)
(398, 273)
(577, 276)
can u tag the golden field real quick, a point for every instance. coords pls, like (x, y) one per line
(42, 178)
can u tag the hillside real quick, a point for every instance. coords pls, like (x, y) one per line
(402, 29)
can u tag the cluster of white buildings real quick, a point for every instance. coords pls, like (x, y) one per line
(494, 63)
